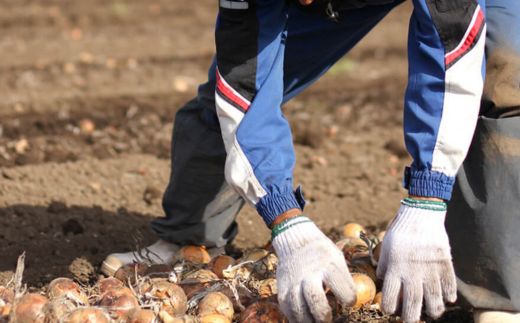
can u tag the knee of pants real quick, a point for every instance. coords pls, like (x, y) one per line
(502, 87)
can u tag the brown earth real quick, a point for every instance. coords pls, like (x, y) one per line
(69, 192)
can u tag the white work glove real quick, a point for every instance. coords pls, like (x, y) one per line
(307, 259)
(416, 259)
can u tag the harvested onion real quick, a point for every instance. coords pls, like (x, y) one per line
(6, 295)
(172, 298)
(216, 303)
(220, 263)
(352, 230)
(365, 289)
(128, 273)
(167, 318)
(254, 255)
(143, 316)
(197, 281)
(214, 318)
(105, 284)
(353, 247)
(378, 301)
(262, 312)
(88, 315)
(195, 254)
(65, 288)
(30, 309)
(119, 302)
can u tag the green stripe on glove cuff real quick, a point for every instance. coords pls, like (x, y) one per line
(279, 228)
(424, 204)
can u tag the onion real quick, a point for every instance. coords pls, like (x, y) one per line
(364, 265)
(119, 302)
(365, 289)
(88, 315)
(254, 255)
(262, 312)
(6, 295)
(158, 271)
(30, 309)
(167, 318)
(143, 316)
(220, 263)
(195, 254)
(216, 303)
(65, 288)
(352, 230)
(128, 273)
(214, 318)
(378, 300)
(245, 296)
(172, 297)
(353, 247)
(105, 284)
(197, 281)
(5, 311)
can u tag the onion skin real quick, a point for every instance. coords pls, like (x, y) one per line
(365, 289)
(352, 230)
(195, 254)
(262, 312)
(216, 303)
(88, 315)
(30, 309)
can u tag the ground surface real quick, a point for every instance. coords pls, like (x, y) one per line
(127, 66)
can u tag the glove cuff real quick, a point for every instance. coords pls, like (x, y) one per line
(419, 218)
(289, 223)
(425, 204)
(294, 234)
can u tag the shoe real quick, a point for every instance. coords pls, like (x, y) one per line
(161, 252)
(496, 317)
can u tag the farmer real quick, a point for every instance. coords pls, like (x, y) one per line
(232, 144)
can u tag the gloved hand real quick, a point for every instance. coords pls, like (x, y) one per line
(416, 258)
(307, 259)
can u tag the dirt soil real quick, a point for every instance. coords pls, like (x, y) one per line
(88, 92)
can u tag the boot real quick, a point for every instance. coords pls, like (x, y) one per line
(161, 252)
